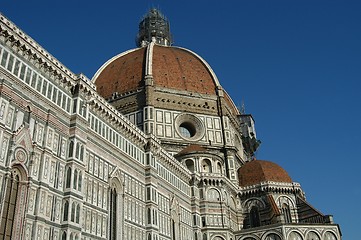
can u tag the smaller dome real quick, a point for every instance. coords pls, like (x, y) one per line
(193, 148)
(257, 171)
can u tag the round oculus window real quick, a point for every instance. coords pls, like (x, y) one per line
(189, 127)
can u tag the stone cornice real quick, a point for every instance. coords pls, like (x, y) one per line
(25, 45)
(30, 49)
(114, 117)
(269, 186)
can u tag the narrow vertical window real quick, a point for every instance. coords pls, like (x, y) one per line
(58, 100)
(77, 150)
(74, 105)
(113, 214)
(286, 213)
(63, 102)
(54, 95)
(22, 71)
(205, 236)
(28, 75)
(149, 216)
(77, 213)
(63, 236)
(38, 84)
(16, 67)
(68, 177)
(10, 201)
(254, 217)
(81, 153)
(75, 179)
(33, 80)
(4, 58)
(43, 91)
(173, 229)
(10, 63)
(72, 212)
(65, 213)
(71, 148)
(50, 90)
(80, 179)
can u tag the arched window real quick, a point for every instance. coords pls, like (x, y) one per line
(213, 195)
(72, 212)
(219, 168)
(27, 115)
(71, 148)
(204, 223)
(75, 179)
(113, 214)
(149, 216)
(63, 236)
(205, 236)
(190, 165)
(206, 166)
(11, 197)
(155, 218)
(295, 236)
(77, 213)
(313, 236)
(286, 213)
(68, 177)
(77, 150)
(81, 153)
(80, 180)
(254, 217)
(65, 212)
(330, 236)
(273, 236)
(173, 229)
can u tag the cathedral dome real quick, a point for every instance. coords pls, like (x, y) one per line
(257, 171)
(167, 69)
(171, 67)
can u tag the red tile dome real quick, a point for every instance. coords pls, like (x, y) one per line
(193, 148)
(257, 171)
(171, 67)
(121, 74)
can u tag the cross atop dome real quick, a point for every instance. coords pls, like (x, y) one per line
(154, 27)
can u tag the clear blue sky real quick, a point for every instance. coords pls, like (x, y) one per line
(296, 64)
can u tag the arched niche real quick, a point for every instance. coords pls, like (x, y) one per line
(190, 165)
(206, 166)
(213, 195)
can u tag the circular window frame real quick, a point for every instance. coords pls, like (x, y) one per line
(193, 125)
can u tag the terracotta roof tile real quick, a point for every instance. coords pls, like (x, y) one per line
(191, 149)
(258, 171)
(179, 69)
(122, 75)
(172, 67)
